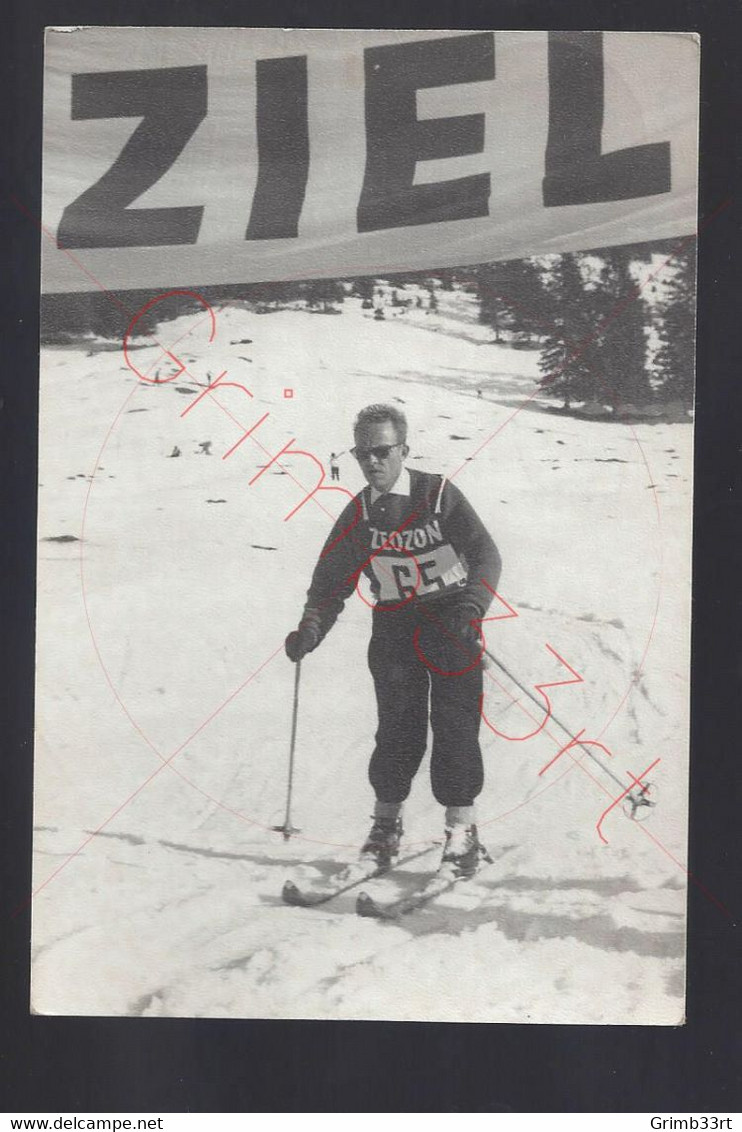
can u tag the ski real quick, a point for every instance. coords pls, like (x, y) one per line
(350, 877)
(441, 881)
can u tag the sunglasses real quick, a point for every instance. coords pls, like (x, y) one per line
(380, 452)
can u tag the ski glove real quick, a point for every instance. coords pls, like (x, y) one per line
(458, 622)
(301, 641)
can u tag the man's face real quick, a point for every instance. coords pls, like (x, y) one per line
(380, 471)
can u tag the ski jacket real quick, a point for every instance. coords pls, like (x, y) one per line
(425, 547)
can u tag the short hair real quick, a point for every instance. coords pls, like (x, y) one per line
(377, 414)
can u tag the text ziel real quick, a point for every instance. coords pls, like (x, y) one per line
(173, 101)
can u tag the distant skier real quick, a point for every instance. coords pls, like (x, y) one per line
(432, 567)
(204, 448)
(335, 466)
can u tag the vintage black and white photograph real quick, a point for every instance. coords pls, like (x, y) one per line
(364, 538)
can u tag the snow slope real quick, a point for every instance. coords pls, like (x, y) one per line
(166, 588)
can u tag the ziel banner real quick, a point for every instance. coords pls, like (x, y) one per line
(213, 155)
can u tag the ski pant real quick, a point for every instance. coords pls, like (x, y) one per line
(405, 686)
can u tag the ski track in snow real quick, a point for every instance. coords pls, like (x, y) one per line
(173, 908)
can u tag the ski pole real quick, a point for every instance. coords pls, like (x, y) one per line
(634, 798)
(287, 828)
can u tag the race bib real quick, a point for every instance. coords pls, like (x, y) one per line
(399, 578)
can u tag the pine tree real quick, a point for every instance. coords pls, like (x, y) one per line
(364, 287)
(568, 352)
(511, 296)
(621, 335)
(674, 360)
(279, 293)
(494, 311)
(324, 292)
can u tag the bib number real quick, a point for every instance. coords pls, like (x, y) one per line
(399, 579)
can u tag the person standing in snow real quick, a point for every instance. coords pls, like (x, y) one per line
(334, 466)
(433, 568)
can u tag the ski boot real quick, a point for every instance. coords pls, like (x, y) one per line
(382, 844)
(463, 852)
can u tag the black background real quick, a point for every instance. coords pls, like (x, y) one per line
(128, 1064)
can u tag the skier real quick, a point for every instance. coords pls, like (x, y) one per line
(334, 466)
(432, 568)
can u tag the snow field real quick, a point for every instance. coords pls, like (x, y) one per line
(167, 638)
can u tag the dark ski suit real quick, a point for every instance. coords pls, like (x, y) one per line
(425, 552)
